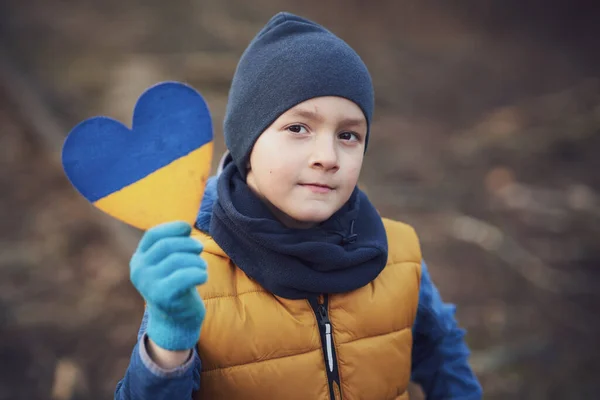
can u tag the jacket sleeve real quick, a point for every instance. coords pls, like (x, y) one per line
(440, 355)
(144, 379)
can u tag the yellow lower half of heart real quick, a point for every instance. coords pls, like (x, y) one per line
(171, 193)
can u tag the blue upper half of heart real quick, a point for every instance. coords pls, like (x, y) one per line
(101, 155)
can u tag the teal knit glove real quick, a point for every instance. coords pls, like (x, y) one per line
(165, 269)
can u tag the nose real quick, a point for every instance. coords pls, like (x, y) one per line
(324, 155)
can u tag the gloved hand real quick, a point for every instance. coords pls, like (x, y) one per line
(165, 269)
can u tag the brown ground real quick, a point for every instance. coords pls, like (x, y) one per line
(486, 140)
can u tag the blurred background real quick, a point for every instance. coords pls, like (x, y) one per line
(485, 138)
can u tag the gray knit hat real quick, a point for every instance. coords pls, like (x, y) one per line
(290, 60)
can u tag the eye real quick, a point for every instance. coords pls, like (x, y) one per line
(349, 136)
(297, 129)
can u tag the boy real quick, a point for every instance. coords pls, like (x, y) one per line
(311, 295)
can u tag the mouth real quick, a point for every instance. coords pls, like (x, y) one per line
(317, 187)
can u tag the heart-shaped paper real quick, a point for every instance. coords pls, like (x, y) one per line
(155, 172)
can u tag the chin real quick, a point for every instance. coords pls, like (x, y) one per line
(312, 216)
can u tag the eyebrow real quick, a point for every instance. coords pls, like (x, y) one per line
(299, 112)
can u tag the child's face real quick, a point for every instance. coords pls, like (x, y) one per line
(306, 164)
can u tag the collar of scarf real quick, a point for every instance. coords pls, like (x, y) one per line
(344, 253)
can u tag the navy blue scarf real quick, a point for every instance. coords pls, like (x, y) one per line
(344, 253)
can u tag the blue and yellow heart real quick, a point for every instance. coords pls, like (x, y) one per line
(154, 172)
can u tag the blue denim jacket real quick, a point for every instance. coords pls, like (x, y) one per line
(439, 358)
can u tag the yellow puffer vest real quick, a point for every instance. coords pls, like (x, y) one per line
(255, 345)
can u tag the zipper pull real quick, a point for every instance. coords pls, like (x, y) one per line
(324, 322)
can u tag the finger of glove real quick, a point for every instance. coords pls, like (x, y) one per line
(188, 306)
(173, 289)
(164, 247)
(158, 232)
(145, 275)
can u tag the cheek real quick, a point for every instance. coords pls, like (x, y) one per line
(280, 178)
(353, 172)
(274, 179)
(276, 167)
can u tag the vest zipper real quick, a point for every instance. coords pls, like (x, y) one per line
(320, 307)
